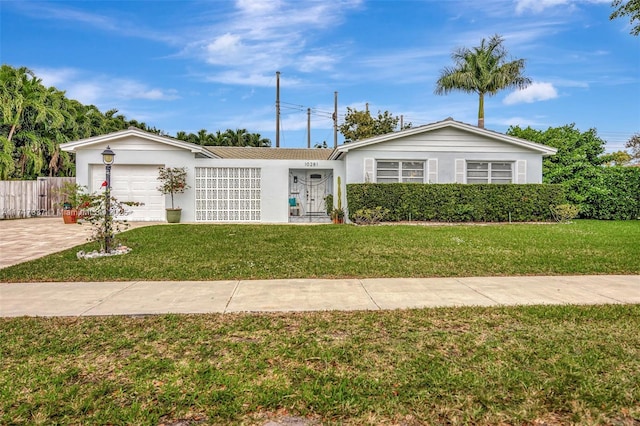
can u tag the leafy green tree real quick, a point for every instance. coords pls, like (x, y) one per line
(576, 165)
(634, 144)
(483, 70)
(238, 137)
(630, 8)
(26, 105)
(361, 125)
(618, 158)
(256, 139)
(35, 120)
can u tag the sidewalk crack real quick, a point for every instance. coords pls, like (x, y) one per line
(109, 296)
(458, 280)
(233, 293)
(369, 295)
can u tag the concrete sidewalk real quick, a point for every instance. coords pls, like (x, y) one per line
(148, 297)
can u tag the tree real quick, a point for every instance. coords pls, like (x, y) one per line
(482, 70)
(35, 120)
(618, 158)
(630, 8)
(361, 125)
(26, 104)
(634, 144)
(576, 165)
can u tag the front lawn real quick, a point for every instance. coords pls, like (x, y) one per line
(510, 365)
(222, 252)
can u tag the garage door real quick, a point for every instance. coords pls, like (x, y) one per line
(133, 183)
(227, 194)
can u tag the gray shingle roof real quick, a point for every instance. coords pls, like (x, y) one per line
(270, 153)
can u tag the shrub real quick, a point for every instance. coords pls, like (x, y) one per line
(457, 202)
(105, 227)
(370, 216)
(565, 212)
(614, 195)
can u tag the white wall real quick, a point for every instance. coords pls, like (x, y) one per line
(274, 189)
(274, 173)
(445, 146)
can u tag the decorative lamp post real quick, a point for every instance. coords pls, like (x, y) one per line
(107, 158)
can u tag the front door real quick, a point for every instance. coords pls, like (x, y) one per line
(316, 183)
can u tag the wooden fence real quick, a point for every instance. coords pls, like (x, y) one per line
(31, 198)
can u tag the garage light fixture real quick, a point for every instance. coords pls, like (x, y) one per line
(108, 156)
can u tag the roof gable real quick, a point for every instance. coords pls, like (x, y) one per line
(137, 133)
(445, 124)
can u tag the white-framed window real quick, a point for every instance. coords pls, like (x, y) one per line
(392, 171)
(489, 172)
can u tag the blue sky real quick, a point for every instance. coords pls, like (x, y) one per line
(183, 65)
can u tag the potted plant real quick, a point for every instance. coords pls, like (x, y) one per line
(337, 214)
(73, 199)
(173, 181)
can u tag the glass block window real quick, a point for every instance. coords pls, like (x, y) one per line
(489, 172)
(227, 194)
(391, 171)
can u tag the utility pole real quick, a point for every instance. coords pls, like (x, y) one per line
(277, 109)
(401, 122)
(308, 127)
(335, 119)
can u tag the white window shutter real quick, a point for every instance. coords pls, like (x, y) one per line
(368, 174)
(521, 171)
(460, 170)
(432, 170)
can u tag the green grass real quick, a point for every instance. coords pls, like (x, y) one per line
(220, 252)
(509, 365)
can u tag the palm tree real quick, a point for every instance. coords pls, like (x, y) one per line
(22, 92)
(237, 137)
(482, 70)
(256, 139)
(203, 138)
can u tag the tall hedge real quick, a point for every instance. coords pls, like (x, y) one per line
(613, 195)
(457, 202)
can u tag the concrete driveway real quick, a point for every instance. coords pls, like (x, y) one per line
(27, 239)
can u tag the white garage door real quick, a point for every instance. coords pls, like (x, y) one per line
(133, 183)
(228, 194)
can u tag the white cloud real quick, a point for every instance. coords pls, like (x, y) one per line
(520, 121)
(258, 38)
(224, 46)
(537, 6)
(533, 93)
(320, 62)
(96, 90)
(55, 77)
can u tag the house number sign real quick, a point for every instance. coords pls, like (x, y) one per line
(311, 164)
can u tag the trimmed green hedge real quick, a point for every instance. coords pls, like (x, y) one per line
(613, 195)
(457, 202)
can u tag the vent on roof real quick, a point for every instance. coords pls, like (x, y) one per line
(449, 119)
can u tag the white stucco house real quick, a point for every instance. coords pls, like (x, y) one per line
(279, 185)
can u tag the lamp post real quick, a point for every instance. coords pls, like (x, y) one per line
(107, 159)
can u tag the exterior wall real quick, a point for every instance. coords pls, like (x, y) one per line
(274, 173)
(446, 146)
(441, 149)
(275, 183)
